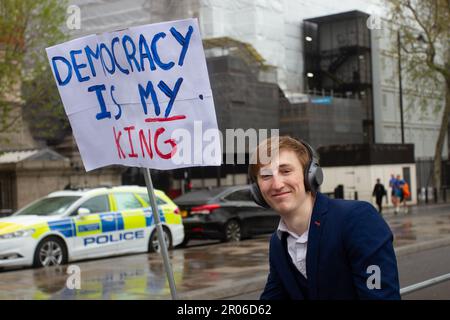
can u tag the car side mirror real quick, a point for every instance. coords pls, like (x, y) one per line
(82, 212)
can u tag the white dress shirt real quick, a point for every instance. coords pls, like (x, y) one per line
(297, 246)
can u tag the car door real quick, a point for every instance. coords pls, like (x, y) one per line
(95, 232)
(253, 217)
(163, 209)
(133, 221)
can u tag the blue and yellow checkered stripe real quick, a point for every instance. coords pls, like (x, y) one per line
(105, 222)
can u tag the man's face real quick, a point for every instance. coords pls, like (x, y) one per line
(281, 183)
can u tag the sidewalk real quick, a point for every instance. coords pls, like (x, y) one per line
(421, 224)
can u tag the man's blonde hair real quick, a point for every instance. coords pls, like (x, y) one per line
(272, 147)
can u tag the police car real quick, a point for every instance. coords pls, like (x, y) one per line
(72, 225)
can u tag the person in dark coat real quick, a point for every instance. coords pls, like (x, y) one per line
(379, 192)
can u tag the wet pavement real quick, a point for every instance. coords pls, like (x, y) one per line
(420, 224)
(212, 271)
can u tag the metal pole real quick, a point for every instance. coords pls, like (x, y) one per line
(159, 230)
(425, 284)
(400, 85)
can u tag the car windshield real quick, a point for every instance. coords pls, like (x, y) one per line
(52, 206)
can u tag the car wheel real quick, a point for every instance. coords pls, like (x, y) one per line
(50, 252)
(232, 231)
(153, 245)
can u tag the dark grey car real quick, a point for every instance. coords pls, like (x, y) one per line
(224, 213)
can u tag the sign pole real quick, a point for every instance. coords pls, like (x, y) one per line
(159, 230)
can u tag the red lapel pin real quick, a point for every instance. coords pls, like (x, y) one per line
(317, 223)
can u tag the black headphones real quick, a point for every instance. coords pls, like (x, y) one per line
(313, 177)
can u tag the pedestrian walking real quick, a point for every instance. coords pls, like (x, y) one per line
(394, 199)
(379, 192)
(405, 194)
(398, 187)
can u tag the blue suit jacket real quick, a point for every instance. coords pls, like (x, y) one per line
(345, 238)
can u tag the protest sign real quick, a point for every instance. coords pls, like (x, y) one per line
(126, 92)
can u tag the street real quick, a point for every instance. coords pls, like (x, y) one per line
(214, 270)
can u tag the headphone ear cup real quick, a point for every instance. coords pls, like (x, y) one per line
(318, 176)
(315, 177)
(257, 196)
(307, 178)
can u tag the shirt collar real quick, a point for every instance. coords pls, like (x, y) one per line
(282, 227)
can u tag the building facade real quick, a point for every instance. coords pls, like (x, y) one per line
(260, 60)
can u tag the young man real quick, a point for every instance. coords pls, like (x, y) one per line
(323, 248)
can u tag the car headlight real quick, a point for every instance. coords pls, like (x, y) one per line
(17, 234)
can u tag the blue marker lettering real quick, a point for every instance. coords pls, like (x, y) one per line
(89, 55)
(172, 94)
(184, 41)
(144, 93)
(77, 66)
(130, 56)
(56, 70)
(103, 47)
(162, 65)
(114, 41)
(117, 116)
(103, 112)
(143, 46)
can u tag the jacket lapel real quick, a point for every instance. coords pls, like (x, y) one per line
(315, 231)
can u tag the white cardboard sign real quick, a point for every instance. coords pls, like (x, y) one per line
(126, 93)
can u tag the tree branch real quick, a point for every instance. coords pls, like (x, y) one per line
(431, 52)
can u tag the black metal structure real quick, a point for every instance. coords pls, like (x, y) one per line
(337, 53)
(366, 154)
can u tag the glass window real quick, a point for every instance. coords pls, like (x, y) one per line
(145, 197)
(97, 204)
(241, 195)
(126, 201)
(48, 206)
